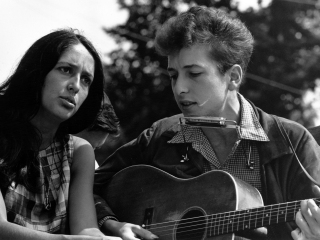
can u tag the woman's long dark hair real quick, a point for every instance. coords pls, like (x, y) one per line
(20, 100)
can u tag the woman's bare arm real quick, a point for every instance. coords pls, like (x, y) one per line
(82, 212)
(15, 232)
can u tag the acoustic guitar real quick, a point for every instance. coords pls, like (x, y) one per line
(213, 205)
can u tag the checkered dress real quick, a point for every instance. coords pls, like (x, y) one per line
(244, 150)
(28, 209)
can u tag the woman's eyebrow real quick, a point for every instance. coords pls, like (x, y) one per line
(75, 66)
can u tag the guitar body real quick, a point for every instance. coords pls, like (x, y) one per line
(164, 204)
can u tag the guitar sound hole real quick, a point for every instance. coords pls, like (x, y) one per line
(192, 226)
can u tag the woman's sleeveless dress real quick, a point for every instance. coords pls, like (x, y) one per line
(47, 210)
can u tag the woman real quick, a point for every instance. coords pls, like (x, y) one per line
(46, 175)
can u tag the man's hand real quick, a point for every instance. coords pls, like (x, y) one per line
(94, 232)
(128, 231)
(308, 221)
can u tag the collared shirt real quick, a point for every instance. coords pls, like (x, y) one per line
(28, 209)
(244, 153)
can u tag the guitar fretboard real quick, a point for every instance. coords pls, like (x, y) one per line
(229, 222)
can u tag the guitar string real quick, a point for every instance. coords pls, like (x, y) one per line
(224, 219)
(241, 212)
(221, 230)
(216, 232)
(190, 233)
(219, 220)
(222, 227)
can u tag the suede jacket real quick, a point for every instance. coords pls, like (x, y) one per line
(283, 179)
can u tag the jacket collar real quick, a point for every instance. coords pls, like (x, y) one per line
(277, 146)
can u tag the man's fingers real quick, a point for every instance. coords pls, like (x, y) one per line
(295, 234)
(315, 211)
(111, 238)
(143, 233)
(300, 217)
(313, 217)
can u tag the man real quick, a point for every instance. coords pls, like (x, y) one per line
(208, 53)
(106, 123)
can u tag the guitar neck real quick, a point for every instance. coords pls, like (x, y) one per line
(229, 222)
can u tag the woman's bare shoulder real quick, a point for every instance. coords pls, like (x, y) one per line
(79, 142)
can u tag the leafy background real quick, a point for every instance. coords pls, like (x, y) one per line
(282, 77)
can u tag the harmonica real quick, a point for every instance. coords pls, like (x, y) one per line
(210, 122)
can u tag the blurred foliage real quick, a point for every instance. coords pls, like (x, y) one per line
(283, 65)
(286, 51)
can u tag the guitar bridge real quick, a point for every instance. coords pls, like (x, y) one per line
(147, 220)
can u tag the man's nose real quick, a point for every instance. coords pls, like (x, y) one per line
(180, 85)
